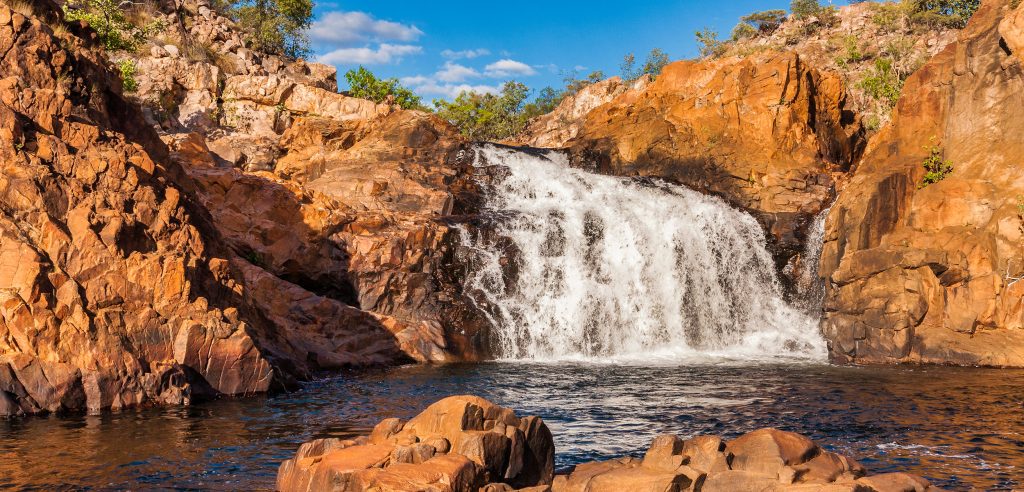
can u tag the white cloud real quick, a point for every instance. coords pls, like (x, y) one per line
(453, 90)
(470, 54)
(453, 72)
(384, 54)
(347, 28)
(508, 68)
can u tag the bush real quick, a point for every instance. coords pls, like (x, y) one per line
(127, 70)
(883, 83)
(941, 13)
(804, 9)
(851, 51)
(107, 17)
(764, 22)
(936, 168)
(547, 100)
(364, 84)
(743, 31)
(487, 116)
(274, 26)
(656, 60)
(708, 44)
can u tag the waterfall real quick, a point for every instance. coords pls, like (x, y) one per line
(810, 287)
(607, 267)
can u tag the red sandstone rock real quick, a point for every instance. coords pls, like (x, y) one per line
(926, 274)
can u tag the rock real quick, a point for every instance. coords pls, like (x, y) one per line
(412, 456)
(172, 50)
(767, 451)
(765, 133)
(925, 274)
(1011, 28)
(896, 482)
(116, 288)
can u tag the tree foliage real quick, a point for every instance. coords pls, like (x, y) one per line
(274, 26)
(708, 43)
(803, 9)
(364, 84)
(655, 62)
(766, 21)
(108, 18)
(942, 13)
(488, 116)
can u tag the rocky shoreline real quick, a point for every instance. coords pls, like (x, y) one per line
(466, 443)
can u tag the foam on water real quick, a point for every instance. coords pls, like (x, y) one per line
(613, 269)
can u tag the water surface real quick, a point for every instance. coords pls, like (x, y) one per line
(959, 427)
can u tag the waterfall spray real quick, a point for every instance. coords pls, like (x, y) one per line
(612, 267)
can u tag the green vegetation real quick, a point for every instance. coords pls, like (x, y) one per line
(758, 23)
(708, 44)
(941, 13)
(364, 84)
(107, 17)
(274, 26)
(851, 52)
(937, 168)
(488, 116)
(127, 69)
(883, 84)
(656, 60)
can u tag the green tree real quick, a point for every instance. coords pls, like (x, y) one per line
(546, 101)
(275, 26)
(708, 44)
(656, 60)
(944, 13)
(364, 84)
(743, 31)
(487, 116)
(574, 84)
(628, 67)
(764, 22)
(802, 9)
(108, 18)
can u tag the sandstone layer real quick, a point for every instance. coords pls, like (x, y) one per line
(466, 444)
(930, 273)
(766, 133)
(134, 273)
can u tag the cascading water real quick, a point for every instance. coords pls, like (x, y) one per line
(810, 293)
(608, 268)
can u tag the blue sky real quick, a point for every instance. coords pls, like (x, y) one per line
(439, 48)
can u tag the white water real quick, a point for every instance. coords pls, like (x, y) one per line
(612, 269)
(810, 287)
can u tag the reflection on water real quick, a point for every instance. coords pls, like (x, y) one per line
(959, 427)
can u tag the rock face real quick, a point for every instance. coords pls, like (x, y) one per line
(460, 443)
(764, 132)
(465, 443)
(930, 273)
(136, 274)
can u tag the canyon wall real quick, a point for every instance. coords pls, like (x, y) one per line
(143, 267)
(930, 273)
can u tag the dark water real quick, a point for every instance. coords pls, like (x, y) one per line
(959, 427)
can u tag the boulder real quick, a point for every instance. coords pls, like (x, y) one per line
(458, 444)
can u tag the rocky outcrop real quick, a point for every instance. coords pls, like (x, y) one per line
(465, 443)
(461, 443)
(766, 133)
(930, 273)
(557, 128)
(134, 274)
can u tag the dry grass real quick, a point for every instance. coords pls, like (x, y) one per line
(22, 7)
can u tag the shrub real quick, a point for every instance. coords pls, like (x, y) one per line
(547, 100)
(851, 51)
(487, 116)
(941, 13)
(882, 83)
(127, 70)
(274, 26)
(743, 31)
(804, 9)
(107, 17)
(936, 168)
(656, 60)
(364, 84)
(764, 22)
(708, 44)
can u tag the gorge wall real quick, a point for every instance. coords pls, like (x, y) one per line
(930, 272)
(143, 267)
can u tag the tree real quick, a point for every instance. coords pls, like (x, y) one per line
(765, 22)
(364, 84)
(107, 17)
(487, 116)
(947, 13)
(275, 26)
(803, 9)
(547, 100)
(656, 60)
(708, 44)
(628, 67)
(573, 84)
